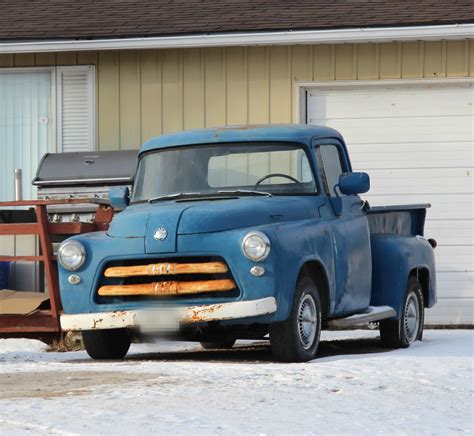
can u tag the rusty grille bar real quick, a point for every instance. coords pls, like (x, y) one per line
(166, 269)
(168, 288)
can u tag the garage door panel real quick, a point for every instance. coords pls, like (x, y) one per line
(386, 156)
(455, 285)
(443, 207)
(422, 181)
(404, 147)
(376, 103)
(454, 258)
(454, 311)
(450, 232)
(376, 131)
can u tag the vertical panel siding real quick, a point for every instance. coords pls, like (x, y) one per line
(258, 85)
(130, 113)
(280, 85)
(236, 79)
(346, 62)
(172, 83)
(150, 76)
(368, 61)
(412, 60)
(390, 61)
(108, 101)
(457, 57)
(44, 59)
(435, 59)
(6, 60)
(25, 60)
(144, 93)
(324, 65)
(215, 87)
(193, 89)
(66, 58)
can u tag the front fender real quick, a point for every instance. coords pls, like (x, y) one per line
(300, 243)
(394, 257)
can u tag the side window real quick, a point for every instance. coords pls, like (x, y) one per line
(329, 162)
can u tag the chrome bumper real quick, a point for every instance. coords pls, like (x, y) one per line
(168, 318)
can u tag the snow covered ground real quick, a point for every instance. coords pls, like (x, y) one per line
(355, 387)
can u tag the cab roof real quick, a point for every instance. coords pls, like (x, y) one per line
(302, 133)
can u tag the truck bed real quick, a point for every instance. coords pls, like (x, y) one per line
(406, 220)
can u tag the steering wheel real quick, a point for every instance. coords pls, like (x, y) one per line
(268, 176)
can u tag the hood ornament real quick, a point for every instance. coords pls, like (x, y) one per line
(160, 234)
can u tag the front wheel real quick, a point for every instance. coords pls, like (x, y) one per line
(297, 338)
(401, 333)
(107, 344)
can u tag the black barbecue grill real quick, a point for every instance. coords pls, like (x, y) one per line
(82, 175)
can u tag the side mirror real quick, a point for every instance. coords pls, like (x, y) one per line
(119, 197)
(354, 183)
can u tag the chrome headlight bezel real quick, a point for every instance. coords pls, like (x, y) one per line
(265, 243)
(80, 253)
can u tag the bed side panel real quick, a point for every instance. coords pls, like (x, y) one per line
(393, 258)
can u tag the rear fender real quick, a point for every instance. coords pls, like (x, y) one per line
(394, 259)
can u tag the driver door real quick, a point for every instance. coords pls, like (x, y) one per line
(349, 232)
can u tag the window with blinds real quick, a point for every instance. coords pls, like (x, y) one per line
(75, 108)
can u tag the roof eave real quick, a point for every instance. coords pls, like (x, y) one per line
(331, 36)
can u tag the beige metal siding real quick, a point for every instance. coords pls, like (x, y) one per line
(141, 94)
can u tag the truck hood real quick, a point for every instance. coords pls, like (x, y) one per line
(191, 217)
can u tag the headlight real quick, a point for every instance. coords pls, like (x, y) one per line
(256, 246)
(71, 255)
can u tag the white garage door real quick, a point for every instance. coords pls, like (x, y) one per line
(416, 142)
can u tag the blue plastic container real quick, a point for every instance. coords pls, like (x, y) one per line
(4, 275)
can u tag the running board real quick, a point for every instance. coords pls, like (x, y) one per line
(373, 313)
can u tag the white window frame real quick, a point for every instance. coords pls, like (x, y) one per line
(52, 70)
(90, 69)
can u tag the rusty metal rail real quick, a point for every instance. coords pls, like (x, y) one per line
(45, 321)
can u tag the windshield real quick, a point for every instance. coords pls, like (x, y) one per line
(277, 169)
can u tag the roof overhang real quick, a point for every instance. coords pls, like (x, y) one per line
(331, 36)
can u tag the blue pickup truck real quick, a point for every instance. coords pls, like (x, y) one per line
(248, 232)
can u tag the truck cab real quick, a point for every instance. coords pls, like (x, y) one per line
(245, 232)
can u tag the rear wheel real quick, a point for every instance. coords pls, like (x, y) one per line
(297, 338)
(107, 344)
(403, 332)
(218, 345)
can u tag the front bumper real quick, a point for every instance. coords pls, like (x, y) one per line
(168, 318)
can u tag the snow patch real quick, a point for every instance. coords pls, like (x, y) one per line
(356, 387)
(22, 346)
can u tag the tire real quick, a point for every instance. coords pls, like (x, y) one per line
(219, 345)
(297, 338)
(107, 344)
(403, 332)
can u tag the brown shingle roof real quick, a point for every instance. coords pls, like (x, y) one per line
(55, 19)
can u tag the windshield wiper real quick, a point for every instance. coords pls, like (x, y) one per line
(176, 196)
(245, 192)
(204, 195)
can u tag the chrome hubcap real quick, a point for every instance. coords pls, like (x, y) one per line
(307, 321)
(412, 319)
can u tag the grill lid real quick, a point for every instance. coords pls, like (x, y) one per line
(87, 168)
